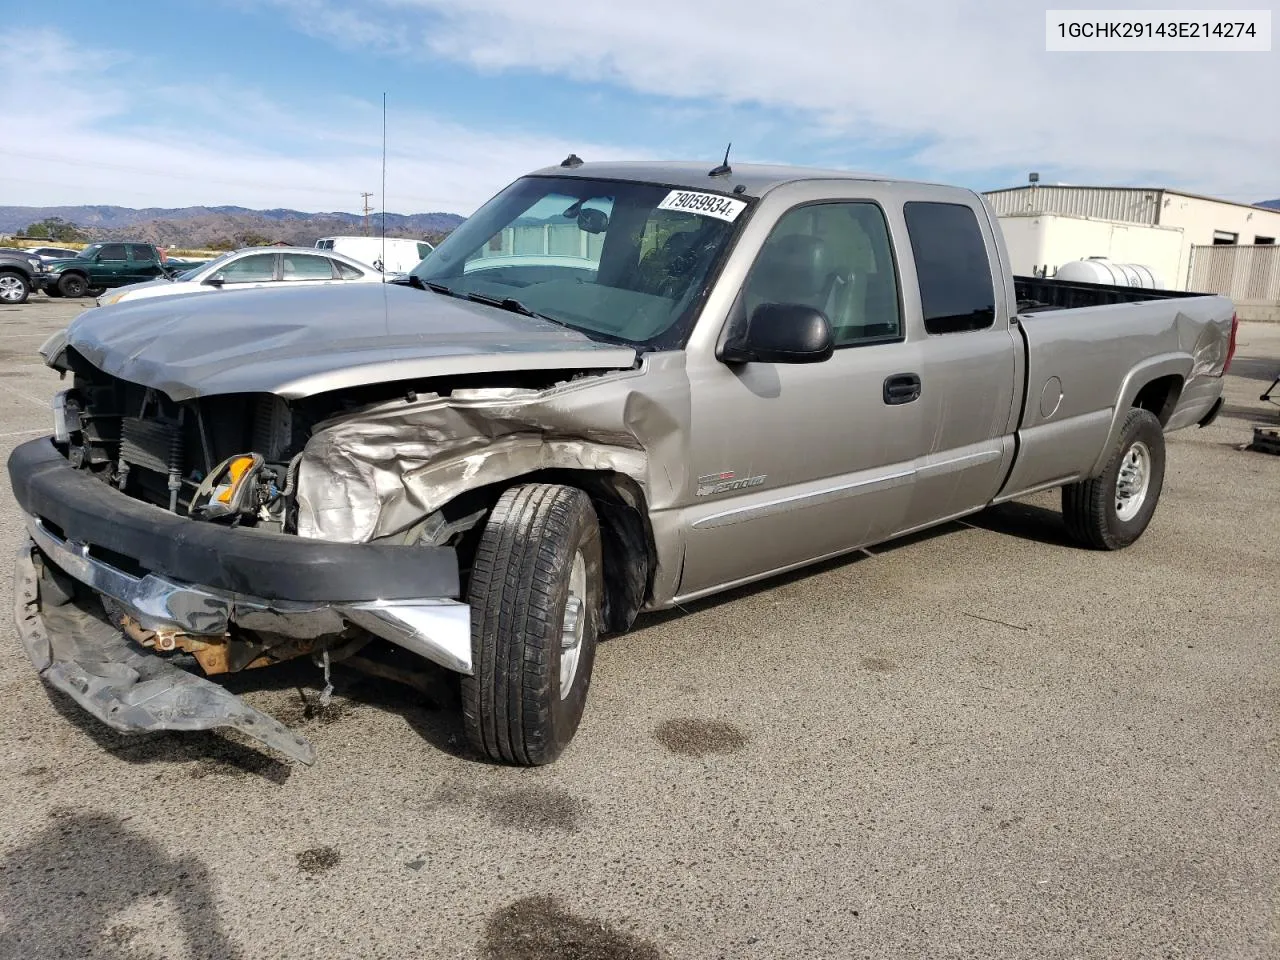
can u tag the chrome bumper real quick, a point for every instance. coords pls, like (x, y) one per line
(437, 629)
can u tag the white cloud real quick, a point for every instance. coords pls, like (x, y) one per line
(211, 144)
(972, 83)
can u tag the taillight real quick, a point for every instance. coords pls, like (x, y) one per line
(1231, 344)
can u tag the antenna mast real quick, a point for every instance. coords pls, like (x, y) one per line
(383, 255)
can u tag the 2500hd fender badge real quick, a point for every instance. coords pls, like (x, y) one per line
(713, 483)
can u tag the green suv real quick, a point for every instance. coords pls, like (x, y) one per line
(101, 266)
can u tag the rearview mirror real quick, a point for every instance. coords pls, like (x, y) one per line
(780, 333)
(591, 220)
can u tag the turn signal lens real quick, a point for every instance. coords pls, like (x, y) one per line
(239, 466)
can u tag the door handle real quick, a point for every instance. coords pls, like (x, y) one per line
(901, 388)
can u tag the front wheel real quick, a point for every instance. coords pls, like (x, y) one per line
(73, 285)
(52, 292)
(535, 595)
(1112, 510)
(14, 288)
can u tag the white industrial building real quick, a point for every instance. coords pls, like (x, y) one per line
(1047, 225)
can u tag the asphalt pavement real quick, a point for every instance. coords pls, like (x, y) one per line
(978, 742)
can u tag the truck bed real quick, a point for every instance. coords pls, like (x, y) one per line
(1037, 294)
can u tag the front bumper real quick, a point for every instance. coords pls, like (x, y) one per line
(88, 659)
(171, 573)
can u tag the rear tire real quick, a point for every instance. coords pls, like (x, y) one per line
(73, 285)
(14, 288)
(535, 595)
(1110, 511)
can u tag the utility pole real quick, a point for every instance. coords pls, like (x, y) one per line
(365, 197)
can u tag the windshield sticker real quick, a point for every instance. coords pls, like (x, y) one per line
(707, 204)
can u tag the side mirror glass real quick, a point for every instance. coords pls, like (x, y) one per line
(781, 333)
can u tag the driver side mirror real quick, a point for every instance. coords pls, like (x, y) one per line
(216, 280)
(781, 333)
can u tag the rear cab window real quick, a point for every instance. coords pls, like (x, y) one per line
(957, 290)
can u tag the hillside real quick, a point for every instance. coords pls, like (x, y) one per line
(206, 226)
(1273, 204)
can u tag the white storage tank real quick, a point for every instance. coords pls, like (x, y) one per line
(1102, 270)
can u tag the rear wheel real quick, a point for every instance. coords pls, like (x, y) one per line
(1112, 510)
(14, 287)
(535, 596)
(73, 285)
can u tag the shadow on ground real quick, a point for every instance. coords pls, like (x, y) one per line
(63, 892)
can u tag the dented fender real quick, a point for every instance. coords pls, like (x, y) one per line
(379, 471)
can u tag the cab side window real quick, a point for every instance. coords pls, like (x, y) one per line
(111, 251)
(956, 289)
(303, 266)
(836, 258)
(255, 268)
(141, 253)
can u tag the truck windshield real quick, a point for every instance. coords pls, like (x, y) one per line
(628, 261)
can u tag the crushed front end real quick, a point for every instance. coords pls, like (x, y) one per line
(163, 549)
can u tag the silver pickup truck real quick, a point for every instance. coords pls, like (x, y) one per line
(616, 387)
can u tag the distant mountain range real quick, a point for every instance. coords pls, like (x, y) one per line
(205, 226)
(1274, 204)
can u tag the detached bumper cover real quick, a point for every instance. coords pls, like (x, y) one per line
(130, 690)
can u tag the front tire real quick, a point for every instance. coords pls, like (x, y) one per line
(52, 292)
(1110, 511)
(73, 285)
(14, 288)
(535, 595)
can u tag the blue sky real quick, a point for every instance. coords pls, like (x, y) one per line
(278, 102)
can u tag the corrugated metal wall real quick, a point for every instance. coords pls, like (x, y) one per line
(1127, 205)
(1241, 273)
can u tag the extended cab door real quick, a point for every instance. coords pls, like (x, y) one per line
(972, 356)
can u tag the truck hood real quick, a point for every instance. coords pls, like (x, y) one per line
(296, 343)
(66, 262)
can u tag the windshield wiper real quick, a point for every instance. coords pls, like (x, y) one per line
(512, 304)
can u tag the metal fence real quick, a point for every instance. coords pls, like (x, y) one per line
(1238, 272)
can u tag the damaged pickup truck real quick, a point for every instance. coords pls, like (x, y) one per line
(614, 388)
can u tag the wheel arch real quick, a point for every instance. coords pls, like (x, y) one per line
(629, 549)
(1154, 385)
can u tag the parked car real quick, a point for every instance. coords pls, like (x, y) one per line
(390, 255)
(54, 253)
(253, 267)
(765, 368)
(20, 273)
(102, 266)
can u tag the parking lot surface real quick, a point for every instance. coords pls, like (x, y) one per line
(975, 742)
